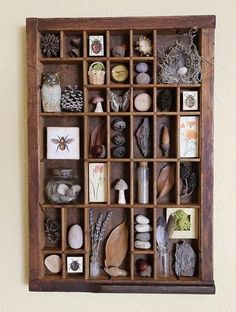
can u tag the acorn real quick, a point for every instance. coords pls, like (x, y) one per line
(141, 265)
(99, 151)
(165, 141)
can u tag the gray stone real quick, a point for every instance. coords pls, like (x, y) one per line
(142, 219)
(142, 245)
(145, 237)
(142, 228)
(75, 237)
(185, 259)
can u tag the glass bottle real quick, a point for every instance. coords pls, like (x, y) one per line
(164, 262)
(143, 183)
(94, 266)
(63, 186)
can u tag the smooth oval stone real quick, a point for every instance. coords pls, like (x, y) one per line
(53, 263)
(75, 237)
(141, 219)
(142, 102)
(141, 228)
(145, 237)
(62, 189)
(142, 245)
(143, 78)
(142, 67)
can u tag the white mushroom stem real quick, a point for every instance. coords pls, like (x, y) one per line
(98, 108)
(121, 198)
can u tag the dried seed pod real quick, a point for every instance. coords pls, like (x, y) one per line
(50, 45)
(119, 152)
(119, 124)
(165, 140)
(118, 140)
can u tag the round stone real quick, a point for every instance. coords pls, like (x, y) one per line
(53, 263)
(142, 245)
(143, 78)
(119, 140)
(143, 102)
(119, 124)
(142, 67)
(141, 219)
(119, 152)
(145, 237)
(75, 237)
(142, 228)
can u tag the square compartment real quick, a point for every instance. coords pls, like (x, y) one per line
(53, 214)
(167, 95)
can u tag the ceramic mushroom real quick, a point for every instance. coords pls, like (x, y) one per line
(98, 101)
(121, 186)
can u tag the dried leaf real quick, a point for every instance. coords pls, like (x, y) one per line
(165, 181)
(98, 136)
(117, 246)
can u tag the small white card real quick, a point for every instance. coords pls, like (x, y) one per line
(189, 136)
(97, 182)
(190, 100)
(63, 143)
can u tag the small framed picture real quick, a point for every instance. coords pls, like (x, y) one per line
(189, 136)
(74, 264)
(190, 100)
(97, 182)
(63, 143)
(96, 45)
(186, 222)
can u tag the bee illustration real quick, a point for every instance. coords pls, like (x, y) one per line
(62, 142)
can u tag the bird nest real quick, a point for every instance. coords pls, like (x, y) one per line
(180, 62)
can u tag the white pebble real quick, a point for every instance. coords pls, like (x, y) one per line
(142, 245)
(75, 237)
(53, 263)
(62, 189)
(141, 228)
(142, 219)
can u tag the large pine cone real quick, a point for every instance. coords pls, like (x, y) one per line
(72, 99)
(50, 45)
(165, 100)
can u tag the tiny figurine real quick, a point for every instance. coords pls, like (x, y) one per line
(144, 46)
(119, 102)
(51, 92)
(72, 99)
(98, 101)
(96, 45)
(74, 264)
(50, 45)
(121, 186)
(165, 141)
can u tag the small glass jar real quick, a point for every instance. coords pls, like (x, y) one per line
(63, 186)
(164, 261)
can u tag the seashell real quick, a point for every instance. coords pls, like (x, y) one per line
(143, 102)
(114, 271)
(119, 124)
(142, 67)
(182, 71)
(143, 78)
(142, 245)
(142, 228)
(142, 219)
(119, 140)
(53, 263)
(119, 152)
(62, 189)
(75, 237)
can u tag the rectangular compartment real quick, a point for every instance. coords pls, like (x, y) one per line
(118, 171)
(119, 100)
(74, 216)
(166, 132)
(96, 43)
(51, 226)
(75, 266)
(140, 262)
(49, 39)
(97, 137)
(120, 72)
(120, 137)
(96, 105)
(145, 102)
(119, 215)
(190, 183)
(166, 182)
(46, 273)
(147, 140)
(146, 67)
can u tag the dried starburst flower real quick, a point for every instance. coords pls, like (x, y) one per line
(52, 230)
(144, 46)
(50, 45)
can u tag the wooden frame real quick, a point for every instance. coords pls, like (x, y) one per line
(125, 29)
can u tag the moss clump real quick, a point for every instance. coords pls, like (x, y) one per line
(182, 220)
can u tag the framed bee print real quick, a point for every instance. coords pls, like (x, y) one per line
(96, 45)
(63, 143)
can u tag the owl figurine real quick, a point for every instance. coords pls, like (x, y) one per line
(51, 92)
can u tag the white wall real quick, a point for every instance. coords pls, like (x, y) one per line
(14, 295)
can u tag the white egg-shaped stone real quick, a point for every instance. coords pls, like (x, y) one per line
(141, 228)
(75, 237)
(53, 263)
(62, 188)
(182, 71)
(141, 219)
(143, 102)
(143, 78)
(142, 245)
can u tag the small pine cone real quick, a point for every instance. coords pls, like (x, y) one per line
(72, 99)
(52, 230)
(165, 100)
(50, 45)
(185, 170)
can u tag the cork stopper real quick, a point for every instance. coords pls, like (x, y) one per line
(143, 163)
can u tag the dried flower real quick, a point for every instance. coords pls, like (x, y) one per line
(52, 230)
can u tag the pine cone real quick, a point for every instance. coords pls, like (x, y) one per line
(165, 100)
(72, 99)
(50, 45)
(185, 170)
(52, 229)
(192, 182)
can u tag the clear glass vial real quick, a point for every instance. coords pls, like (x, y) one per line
(143, 183)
